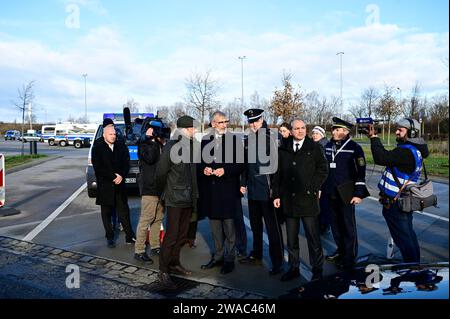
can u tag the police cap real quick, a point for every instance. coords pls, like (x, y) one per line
(253, 115)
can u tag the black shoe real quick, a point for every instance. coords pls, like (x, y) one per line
(111, 243)
(156, 251)
(317, 275)
(324, 229)
(335, 257)
(143, 257)
(227, 267)
(165, 281)
(130, 241)
(251, 260)
(212, 263)
(292, 273)
(275, 271)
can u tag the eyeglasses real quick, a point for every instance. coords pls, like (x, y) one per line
(223, 122)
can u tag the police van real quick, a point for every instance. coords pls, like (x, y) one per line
(131, 133)
(76, 134)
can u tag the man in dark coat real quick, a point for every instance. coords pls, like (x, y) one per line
(219, 183)
(256, 179)
(302, 168)
(152, 211)
(110, 158)
(344, 188)
(176, 180)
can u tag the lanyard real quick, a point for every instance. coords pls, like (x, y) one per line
(333, 155)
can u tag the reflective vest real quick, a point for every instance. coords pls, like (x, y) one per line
(388, 185)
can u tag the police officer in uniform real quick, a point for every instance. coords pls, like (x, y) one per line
(256, 179)
(344, 188)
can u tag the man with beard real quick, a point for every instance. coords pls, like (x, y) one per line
(219, 183)
(403, 164)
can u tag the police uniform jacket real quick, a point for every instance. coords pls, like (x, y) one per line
(219, 196)
(349, 171)
(299, 177)
(106, 164)
(257, 181)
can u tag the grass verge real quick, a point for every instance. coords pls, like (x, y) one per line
(12, 161)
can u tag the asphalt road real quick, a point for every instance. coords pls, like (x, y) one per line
(40, 190)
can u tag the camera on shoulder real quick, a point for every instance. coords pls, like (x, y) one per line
(363, 125)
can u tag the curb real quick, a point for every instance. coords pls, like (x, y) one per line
(133, 276)
(31, 164)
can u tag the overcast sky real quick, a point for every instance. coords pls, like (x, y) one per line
(146, 49)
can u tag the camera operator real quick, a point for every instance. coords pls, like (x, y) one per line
(403, 165)
(152, 211)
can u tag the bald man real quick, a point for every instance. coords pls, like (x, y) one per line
(110, 159)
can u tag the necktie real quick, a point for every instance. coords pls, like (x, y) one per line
(297, 146)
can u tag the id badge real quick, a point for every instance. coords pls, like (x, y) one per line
(332, 165)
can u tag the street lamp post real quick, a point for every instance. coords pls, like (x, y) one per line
(342, 102)
(242, 79)
(85, 99)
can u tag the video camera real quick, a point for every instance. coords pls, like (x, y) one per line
(363, 125)
(160, 129)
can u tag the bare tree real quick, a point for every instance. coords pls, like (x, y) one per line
(388, 109)
(25, 97)
(369, 100)
(438, 111)
(177, 110)
(201, 94)
(287, 102)
(411, 108)
(234, 112)
(319, 110)
(132, 105)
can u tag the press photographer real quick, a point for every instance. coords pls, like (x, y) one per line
(403, 169)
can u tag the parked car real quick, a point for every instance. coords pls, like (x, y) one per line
(12, 135)
(372, 280)
(30, 137)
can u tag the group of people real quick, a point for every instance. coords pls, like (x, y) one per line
(287, 177)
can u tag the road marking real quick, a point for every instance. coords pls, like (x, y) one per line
(53, 215)
(304, 270)
(419, 212)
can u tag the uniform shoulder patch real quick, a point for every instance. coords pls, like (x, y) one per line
(361, 161)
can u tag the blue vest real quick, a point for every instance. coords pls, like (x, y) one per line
(387, 184)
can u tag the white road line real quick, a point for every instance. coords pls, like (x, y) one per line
(419, 212)
(304, 270)
(53, 215)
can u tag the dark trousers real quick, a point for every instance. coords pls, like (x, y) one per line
(312, 233)
(224, 235)
(241, 231)
(325, 215)
(123, 211)
(258, 210)
(343, 226)
(400, 226)
(192, 231)
(177, 226)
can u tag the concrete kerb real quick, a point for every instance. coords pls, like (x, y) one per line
(34, 162)
(21, 247)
